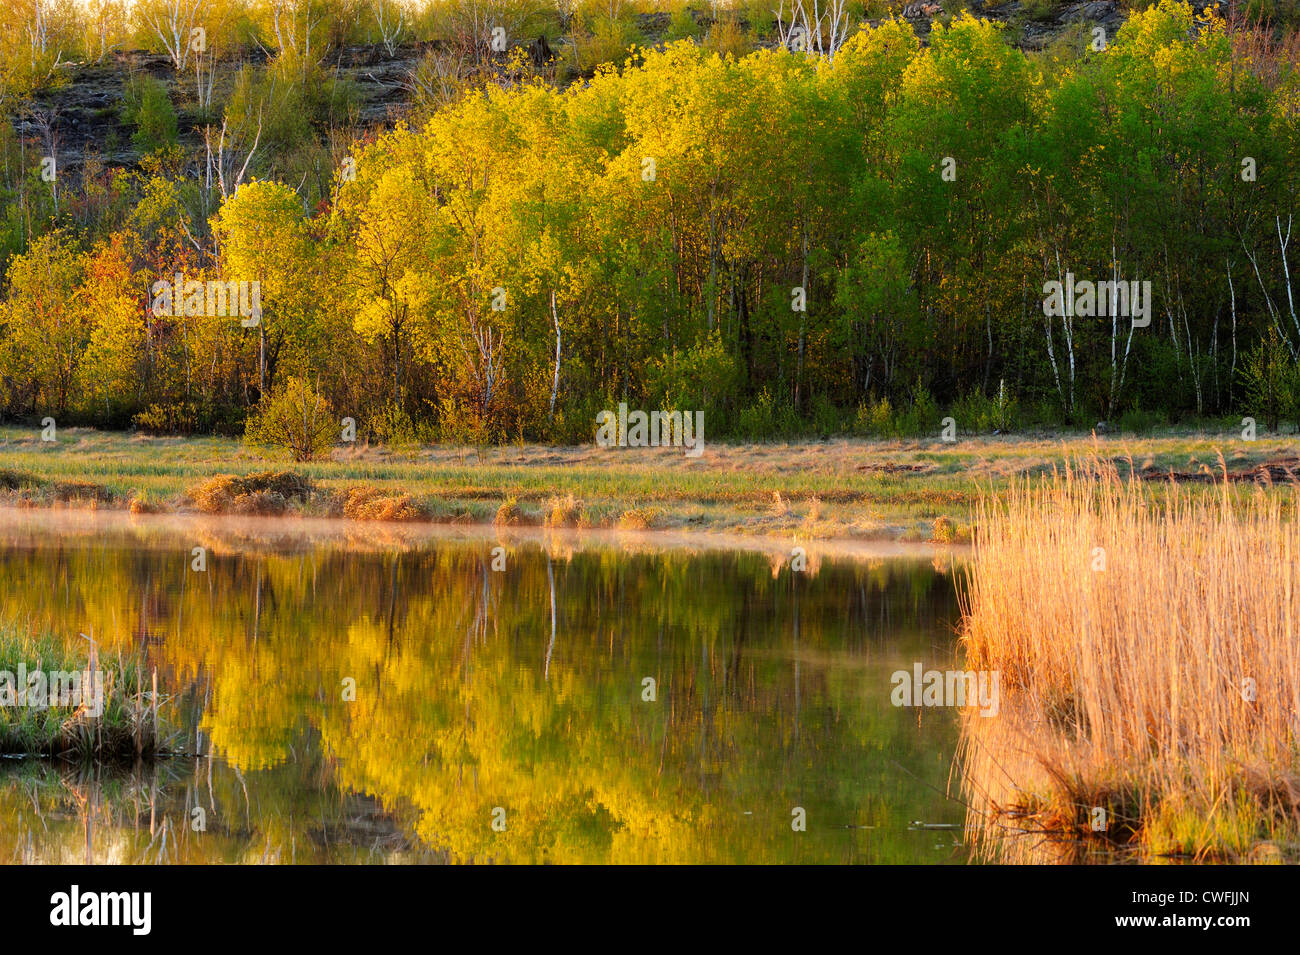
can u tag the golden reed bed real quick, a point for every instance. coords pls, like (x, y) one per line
(1146, 637)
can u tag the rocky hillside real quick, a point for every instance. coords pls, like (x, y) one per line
(84, 109)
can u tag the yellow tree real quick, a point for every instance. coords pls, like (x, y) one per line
(43, 324)
(389, 211)
(264, 238)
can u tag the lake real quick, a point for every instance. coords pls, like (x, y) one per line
(349, 693)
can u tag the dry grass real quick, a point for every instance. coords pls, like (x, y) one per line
(891, 490)
(780, 507)
(11, 480)
(259, 504)
(638, 519)
(141, 503)
(944, 530)
(81, 492)
(563, 511)
(374, 504)
(1149, 663)
(269, 492)
(508, 513)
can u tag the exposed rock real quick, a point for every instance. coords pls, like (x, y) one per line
(539, 51)
(653, 23)
(1096, 11)
(84, 110)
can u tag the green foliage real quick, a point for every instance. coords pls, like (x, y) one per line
(825, 417)
(922, 417)
(188, 417)
(767, 420)
(294, 420)
(874, 418)
(1271, 378)
(1042, 10)
(702, 376)
(683, 25)
(1137, 420)
(147, 107)
(610, 42)
(917, 415)
(393, 426)
(283, 107)
(978, 413)
(760, 17)
(726, 37)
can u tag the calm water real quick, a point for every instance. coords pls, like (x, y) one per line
(488, 698)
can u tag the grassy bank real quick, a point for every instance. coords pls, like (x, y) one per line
(884, 490)
(96, 707)
(1147, 647)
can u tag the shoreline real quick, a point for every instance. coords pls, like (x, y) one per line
(857, 491)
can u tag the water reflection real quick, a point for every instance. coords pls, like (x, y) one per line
(404, 701)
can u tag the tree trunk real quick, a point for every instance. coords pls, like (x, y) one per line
(555, 382)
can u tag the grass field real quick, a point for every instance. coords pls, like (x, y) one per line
(881, 490)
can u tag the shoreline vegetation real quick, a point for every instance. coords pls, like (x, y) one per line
(77, 705)
(1147, 652)
(899, 490)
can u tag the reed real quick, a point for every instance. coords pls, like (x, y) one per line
(1149, 664)
(119, 722)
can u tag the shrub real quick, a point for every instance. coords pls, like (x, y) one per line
(700, 376)
(976, 412)
(761, 18)
(726, 38)
(609, 42)
(82, 491)
(393, 426)
(875, 418)
(438, 79)
(295, 420)
(260, 504)
(682, 26)
(1041, 10)
(562, 511)
(826, 418)
(1139, 421)
(188, 417)
(765, 420)
(146, 106)
(13, 480)
(461, 423)
(141, 504)
(1271, 380)
(921, 417)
